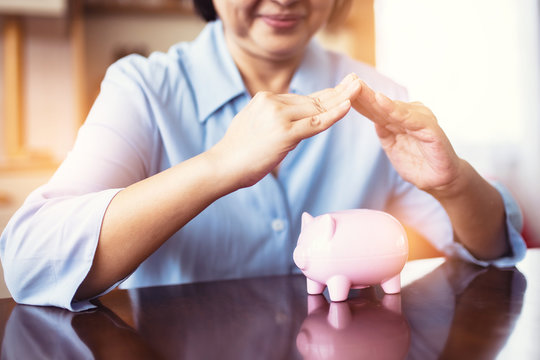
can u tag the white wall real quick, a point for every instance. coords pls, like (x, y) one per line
(48, 86)
(476, 64)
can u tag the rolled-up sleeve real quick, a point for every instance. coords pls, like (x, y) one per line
(514, 226)
(425, 214)
(48, 246)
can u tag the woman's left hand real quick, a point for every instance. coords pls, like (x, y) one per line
(422, 154)
(413, 141)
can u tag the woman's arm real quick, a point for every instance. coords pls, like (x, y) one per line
(422, 154)
(477, 213)
(141, 217)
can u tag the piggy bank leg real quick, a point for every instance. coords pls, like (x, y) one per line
(313, 287)
(338, 288)
(316, 302)
(339, 315)
(392, 302)
(392, 285)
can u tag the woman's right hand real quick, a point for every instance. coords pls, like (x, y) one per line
(271, 125)
(257, 140)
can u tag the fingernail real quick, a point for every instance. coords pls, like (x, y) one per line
(349, 78)
(354, 84)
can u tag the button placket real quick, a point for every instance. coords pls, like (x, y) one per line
(278, 225)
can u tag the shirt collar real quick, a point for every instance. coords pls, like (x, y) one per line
(214, 76)
(216, 79)
(316, 71)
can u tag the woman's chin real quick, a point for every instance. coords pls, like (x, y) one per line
(280, 51)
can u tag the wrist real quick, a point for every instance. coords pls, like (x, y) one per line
(477, 213)
(223, 170)
(462, 182)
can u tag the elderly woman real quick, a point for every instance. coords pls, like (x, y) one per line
(196, 164)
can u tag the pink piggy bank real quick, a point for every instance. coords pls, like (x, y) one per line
(351, 249)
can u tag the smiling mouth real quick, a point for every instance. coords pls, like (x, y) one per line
(281, 21)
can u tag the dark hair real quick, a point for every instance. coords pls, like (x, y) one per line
(205, 8)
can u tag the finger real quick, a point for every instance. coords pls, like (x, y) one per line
(296, 107)
(323, 94)
(347, 89)
(315, 124)
(349, 78)
(396, 110)
(337, 95)
(403, 116)
(366, 104)
(331, 98)
(384, 134)
(339, 87)
(391, 114)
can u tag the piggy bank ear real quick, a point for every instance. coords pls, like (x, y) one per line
(328, 225)
(306, 220)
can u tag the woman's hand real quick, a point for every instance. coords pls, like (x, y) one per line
(271, 125)
(422, 154)
(412, 140)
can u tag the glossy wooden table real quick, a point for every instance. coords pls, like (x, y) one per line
(447, 309)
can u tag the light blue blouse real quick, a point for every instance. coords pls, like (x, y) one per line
(155, 112)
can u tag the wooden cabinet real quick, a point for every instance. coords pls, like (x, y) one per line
(85, 40)
(17, 151)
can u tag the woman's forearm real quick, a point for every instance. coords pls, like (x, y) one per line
(141, 217)
(476, 210)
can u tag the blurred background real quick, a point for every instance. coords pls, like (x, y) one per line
(476, 64)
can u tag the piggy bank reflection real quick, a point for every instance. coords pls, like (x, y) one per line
(351, 249)
(355, 329)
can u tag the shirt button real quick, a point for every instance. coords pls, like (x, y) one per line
(278, 225)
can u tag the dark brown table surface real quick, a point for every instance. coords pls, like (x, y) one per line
(447, 309)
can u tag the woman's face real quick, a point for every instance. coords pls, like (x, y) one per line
(272, 29)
